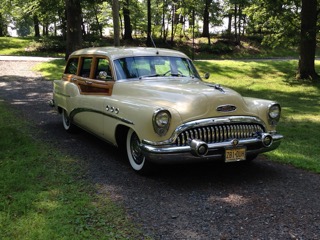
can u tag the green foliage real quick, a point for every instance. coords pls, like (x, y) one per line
(46, 44)
(277, 22)
(300, 101)
(44, 194)
(217, 48)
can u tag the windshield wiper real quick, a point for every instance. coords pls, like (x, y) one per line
(151, 75)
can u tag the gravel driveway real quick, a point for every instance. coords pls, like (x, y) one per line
(263, 200)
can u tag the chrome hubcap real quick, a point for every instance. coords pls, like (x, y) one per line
(135, 149)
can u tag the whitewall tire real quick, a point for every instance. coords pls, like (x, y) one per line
(67, 125)
(136, 158)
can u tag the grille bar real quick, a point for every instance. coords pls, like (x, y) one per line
(219, 133)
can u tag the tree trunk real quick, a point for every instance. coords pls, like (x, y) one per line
(205, 30)
(172, 23)
(236, 35)
(116, 25)
(127, 21)
(229, 24)
(36, 26)
(74, 21)
(308, 41)
(149, 41)
(1, 25)
(163, 27)
(97, 20)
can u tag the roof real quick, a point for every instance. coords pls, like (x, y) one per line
(120, 52)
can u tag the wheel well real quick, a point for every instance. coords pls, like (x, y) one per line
(121, 135)
(60, 109)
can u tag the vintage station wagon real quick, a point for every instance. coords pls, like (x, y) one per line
(153, 103)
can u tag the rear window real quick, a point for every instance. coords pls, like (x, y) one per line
(72, 66)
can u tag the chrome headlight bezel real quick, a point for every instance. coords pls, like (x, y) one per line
(161, 121)
(274, 113)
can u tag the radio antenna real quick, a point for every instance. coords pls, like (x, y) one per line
(154, 45)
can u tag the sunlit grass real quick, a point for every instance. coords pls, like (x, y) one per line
(300, 101)
(51, 70)
(13, 46)
(23, 46)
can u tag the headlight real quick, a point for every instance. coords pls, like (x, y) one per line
(274, 113)
(161, 121)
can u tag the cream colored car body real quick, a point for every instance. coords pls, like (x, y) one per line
(110, 107)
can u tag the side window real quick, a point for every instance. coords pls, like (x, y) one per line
(72, 66)
(103, 70)
(85, 68)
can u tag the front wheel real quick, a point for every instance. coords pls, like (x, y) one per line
(136, 158)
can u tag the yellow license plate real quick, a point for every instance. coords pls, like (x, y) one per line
(235, 154)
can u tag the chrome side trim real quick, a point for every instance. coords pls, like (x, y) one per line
(79, 110)
(62, 94)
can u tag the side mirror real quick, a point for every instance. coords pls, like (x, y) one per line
(206, 75)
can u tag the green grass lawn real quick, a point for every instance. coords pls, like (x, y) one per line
(44, 194)
(13, 46)
(25, 46)
(300, 101)
(51, 70)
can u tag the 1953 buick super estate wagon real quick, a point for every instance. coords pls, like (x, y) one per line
(154, 103)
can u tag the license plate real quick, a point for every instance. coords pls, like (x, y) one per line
(235, 154)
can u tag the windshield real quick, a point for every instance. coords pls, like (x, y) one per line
(155, 66)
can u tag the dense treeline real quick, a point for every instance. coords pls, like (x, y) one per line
(275, 23)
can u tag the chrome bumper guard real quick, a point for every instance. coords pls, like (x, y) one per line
(201, 151)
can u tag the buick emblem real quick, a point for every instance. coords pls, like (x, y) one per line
(226, 108)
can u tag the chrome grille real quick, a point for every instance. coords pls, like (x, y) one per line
(219, 133)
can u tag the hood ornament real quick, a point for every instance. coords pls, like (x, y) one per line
(226, 108)
(216, 86)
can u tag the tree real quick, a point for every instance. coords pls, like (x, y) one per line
(36, 26)
(205, 31)
(74, 23)
(308, 41)
(116, 25)
(277, 22)
(127, 21)
(149, 41)
(211, 15)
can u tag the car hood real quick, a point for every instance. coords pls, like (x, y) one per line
(190, 98)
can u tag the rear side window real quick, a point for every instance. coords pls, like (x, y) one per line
(72, 66)
(86, 67)
(103, 65)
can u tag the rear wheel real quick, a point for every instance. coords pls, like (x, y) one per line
(66, 122)
(137, 160)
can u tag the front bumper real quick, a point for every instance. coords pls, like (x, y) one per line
(215, 151)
